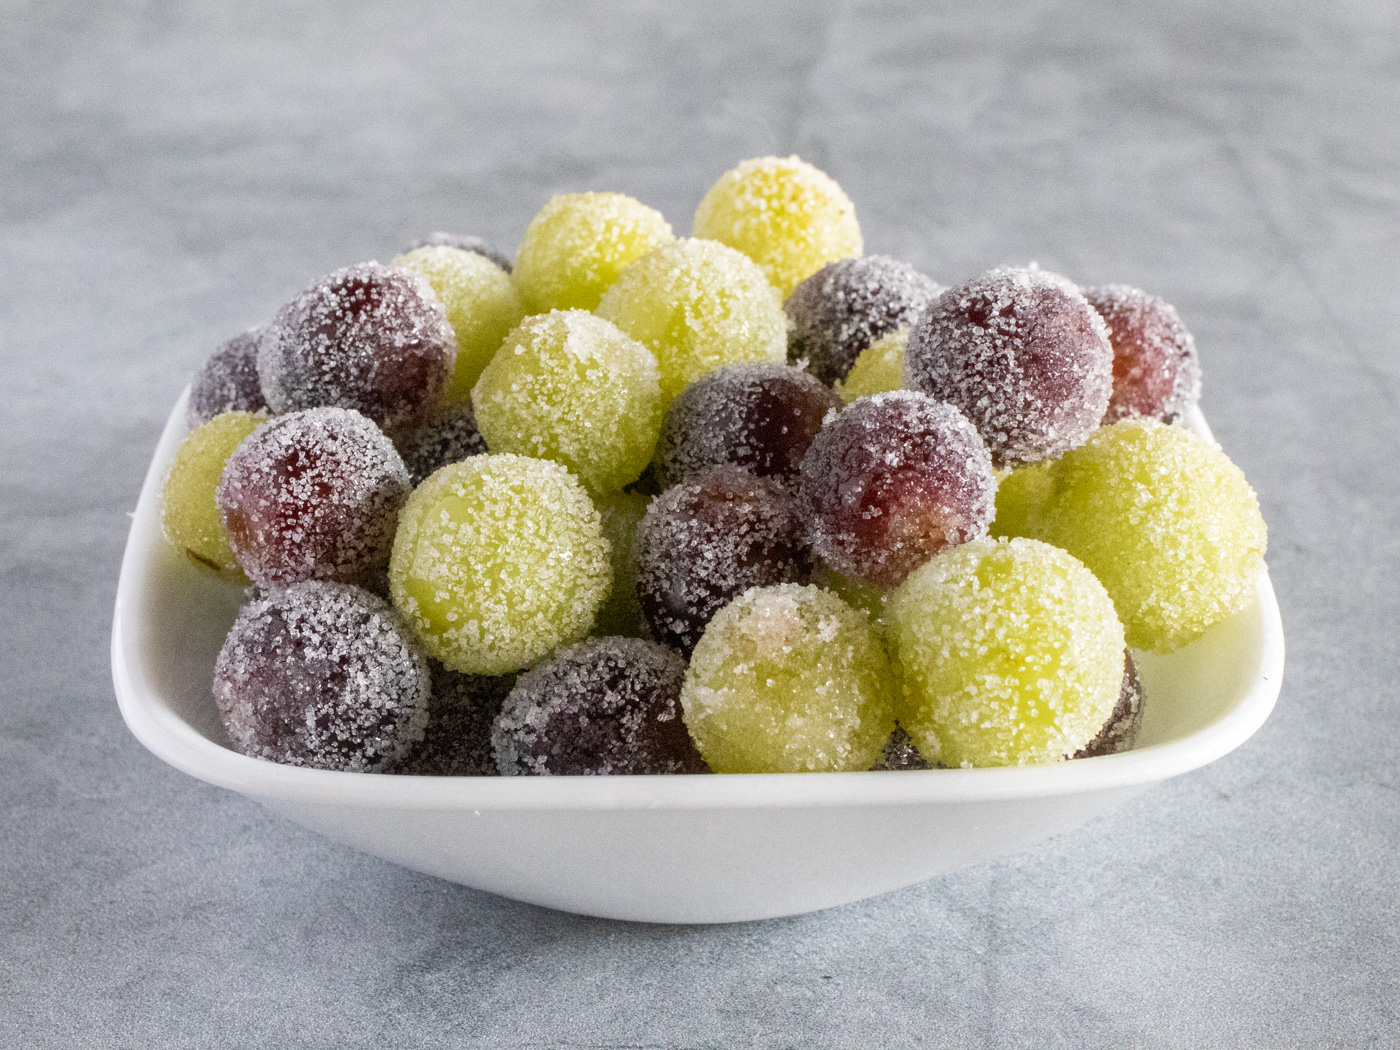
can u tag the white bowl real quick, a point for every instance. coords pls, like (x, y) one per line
(678, 848)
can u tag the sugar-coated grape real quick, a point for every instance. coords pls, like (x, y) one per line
(449, 436)
(457, 738)
(1007, 652)
(228, 381)
(368, 337)
(499, 560)
(759, 415)
(1022, 495)
(849, 304)
(1166, 521)
(1022, 355)
(324, 675)
(788, 679)
(189, 516)
(705, 541)
(900, 753)
(569, 387)
(878, 368)
(464, 242)
(1155, 369)
(605, 706)
(890, 482)
(312, 495)
(697, 305)
(621, 614)
(578, 244)
(788, 216)
(1120, 732)
(481, 302)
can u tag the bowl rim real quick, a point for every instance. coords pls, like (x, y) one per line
(179, 744)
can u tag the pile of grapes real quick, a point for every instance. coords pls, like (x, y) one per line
(748, 501)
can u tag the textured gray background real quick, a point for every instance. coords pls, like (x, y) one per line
(172, 173)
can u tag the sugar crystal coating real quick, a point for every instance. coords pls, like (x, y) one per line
(1007, 652)
(323, 675)
(788, 679)
(369, 337)
(463, 242)
(481, 302)
(312, 495)
(189, 516)
(890, 482)
(457, 738)
(1155, 369)
(1022, 355)
(449, 436)
(227, 381)
(606, 706)
(499, 560)
(759, 415)
(569, 387)
(707, 540)
(697, 305)
(783, 213)
(578, 244)
(847, 305)
(621, 614)
(1166, 521)
(878, 368)
(1120, 732)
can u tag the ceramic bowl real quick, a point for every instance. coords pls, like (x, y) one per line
(689, 849)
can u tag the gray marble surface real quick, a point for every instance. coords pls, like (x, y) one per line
(170, 173)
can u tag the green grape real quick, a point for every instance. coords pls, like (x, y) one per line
(189, 515)
(621, 614)
(1022, 494)
(1007, 652)
(879, 368)
(482, 306)
(578, 244)
(697, 305)
(784, 214)
(788, 679)
(499, 560)
(1166, 521)
(569, 387)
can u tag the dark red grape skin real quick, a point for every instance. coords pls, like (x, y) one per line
(369, 337)
(457, 739)
(228, 381)
(312, 495)
(1120, 731)
(450, 436)
(1155, 369)
(324, 675)
(604, 707)
(1022, 355)
(760, 416)
(704, 542)
(847, 305)
(892, 481)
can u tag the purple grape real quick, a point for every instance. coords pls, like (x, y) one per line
(450, 436)
(761, 416)
(1120, 731)
(605, 706)
(465, 243)
(704, 542)
(1155, 370)
(1022, 355)
(457, 739)
(323, 675)
(892, 481)
(228, 381)
(368, 337)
